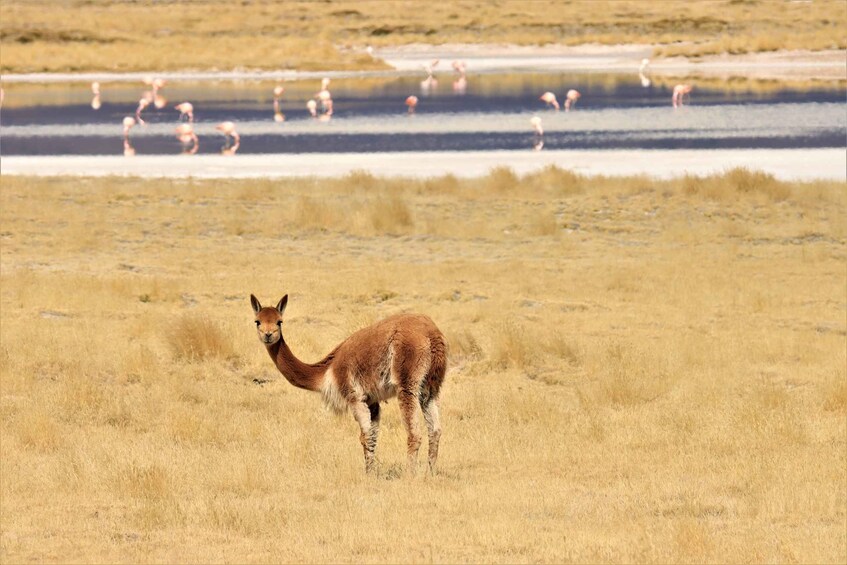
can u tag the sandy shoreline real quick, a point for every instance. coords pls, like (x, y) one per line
(786, 164)
(408, 59)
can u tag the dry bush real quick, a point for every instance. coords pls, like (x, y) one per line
(554, 180)
(736, 183)
(359, 181)
(502, 180)
(196, 337)
(389, 214)
(464, 347)
(446, 184)
(315, 214)
(545, 224)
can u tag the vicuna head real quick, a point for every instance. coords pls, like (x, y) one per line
(269, 320)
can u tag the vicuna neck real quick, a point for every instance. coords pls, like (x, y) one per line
(298, 373)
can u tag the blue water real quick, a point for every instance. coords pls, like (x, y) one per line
(492, 113)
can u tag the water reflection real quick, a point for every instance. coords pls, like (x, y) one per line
(642, 73)
(279, 90)
(616, 111)
(95, 91)
(188, 139)
(233, 140)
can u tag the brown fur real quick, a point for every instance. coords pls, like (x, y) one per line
(404, 355)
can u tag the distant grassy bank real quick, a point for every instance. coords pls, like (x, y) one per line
(641, 370)
(55, 36)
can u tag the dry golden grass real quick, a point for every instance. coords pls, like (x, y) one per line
(641, 370)
(81, 35)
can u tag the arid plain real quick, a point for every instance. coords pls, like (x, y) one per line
(641, 370)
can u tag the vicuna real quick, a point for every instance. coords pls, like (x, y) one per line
(404, 355)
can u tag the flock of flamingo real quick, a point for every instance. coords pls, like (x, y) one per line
(191, 143)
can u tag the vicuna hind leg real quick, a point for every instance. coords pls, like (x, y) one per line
(367, 416)
(409, 411)
(432, 416)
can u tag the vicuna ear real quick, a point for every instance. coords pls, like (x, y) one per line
(255, 302)
(282, 304)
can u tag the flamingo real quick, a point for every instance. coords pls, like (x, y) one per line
(412, 102)
(679, 92)
(143, 103)
(459, 67)
(324, 96)
(428, 84)
(185, 109)
(313, 108)
(228, 129)
(428, 67)
(550, 99)
(278, 115)
(536, 125)
(156, 84)
(324, 83)
(95, 100)
(326, 101)
(570, 99)
(129, 122)
(460, 85)
(129, 150)
(645, 80)
(185, 134)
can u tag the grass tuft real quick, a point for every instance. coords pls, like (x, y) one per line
(196, 337)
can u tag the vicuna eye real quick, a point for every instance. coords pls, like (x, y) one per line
(279, 323)
(257, 323)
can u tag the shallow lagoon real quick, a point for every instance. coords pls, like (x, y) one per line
(490, 112)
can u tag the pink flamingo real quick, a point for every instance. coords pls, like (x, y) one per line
(642, 73)
(228, 129)
(185, 134)
(278, 115)
(460, 85)
(679, 92)
(185, 109)
(129, 122)
(536, 125)
(428, 84)
(95, 100)
(323, 96)
(550, 99)
(570, 99)
(428, 67)
(143, 103)
(156, 84)
(412, 103)
(312, 106)
(129, 150)
(459, 67)
(324, 84)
